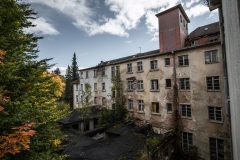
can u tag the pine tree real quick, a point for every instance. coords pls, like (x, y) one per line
(57, 71)
(68, 96)
(30, 91)
(74, 68)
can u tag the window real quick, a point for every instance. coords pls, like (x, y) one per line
(95, 73)
(81, 74)
(95, 86)
(211, 56)
(154, 84)
(113, 106)
(130, 85)
(155, 107)
(81, 87)
(215, 113)
(181, 18)
(103, 72)
(86, 74)
(103, 87)
(140, 105)
(95, 100)
(184, 83)
(183, 60)
(153, 65)
(118, 69)
(130, 104)
(77, 98)
(216, 149)
(113, 71)
(129, 68)
(113, 93)
(77, 87)
(139, 67)
(213, 83)
(168, 83)
(140, 85)
(186, 111)
(187, 140)
(167, 61)
(169, 107)
(103, 101)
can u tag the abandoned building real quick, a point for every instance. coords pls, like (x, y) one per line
(186, 76)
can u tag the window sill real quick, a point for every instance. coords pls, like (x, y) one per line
(187, 118)
(168, 87)
(129, 90)
(169, 112)
(103, 90)
(156, 114)
(214, 90)
(182, 90)
(183, 65)
(211, 62)
(140, 112)
(216, 122)
(129, 72)
(157, 90)
(167, 66)
(139, 71)
(140, 90)
(152, 70)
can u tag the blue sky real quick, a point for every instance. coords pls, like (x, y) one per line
(104, 29)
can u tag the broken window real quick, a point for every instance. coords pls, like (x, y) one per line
(113, 93)
(155, 107)
(215, 113)
(154, 84)
(103, 101)
(169, 107)
(95, 86)
(130, 104)
(77, 98)
(186, 110)
(118, 69)
(153, 65)
(211, 56)
(140, 105)
(95, 100)
(86, 74)
(103, 72)
(187, 140)
(129, 68)
(168, 83)
(130, 85)
(95, 73)
(103, 87)
(167, 61)
(140, 85)
(184, 83)
(183, 60)
(113, 71)
(81, 74)
(216, 149)
(213, 83)
(139, 66)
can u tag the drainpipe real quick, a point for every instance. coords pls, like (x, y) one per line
(225, 75)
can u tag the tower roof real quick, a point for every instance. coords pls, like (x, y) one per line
(179, 6)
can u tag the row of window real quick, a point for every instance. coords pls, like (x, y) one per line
(216, 145)
(213, 84)
(214, 113)
(210, 57)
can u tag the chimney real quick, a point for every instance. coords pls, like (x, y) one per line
(173, 28)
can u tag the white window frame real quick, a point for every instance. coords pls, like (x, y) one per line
(186, 108)
(139, 66)
(130, 104)
(140, 106)
(154, 65)
(154, 85)
(129, 68)
(140, 85)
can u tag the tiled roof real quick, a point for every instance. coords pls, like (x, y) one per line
(205, 30)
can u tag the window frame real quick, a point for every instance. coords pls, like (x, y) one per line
(139, 66)
(130, 104)
(167, 107)
(154, 64)
(213, 83)
(141, 106)
(87, 76)
(186, 84)
(187, 140)
(103, 87)
(210, 54)
(95, 87)
(154, 108)
(167, 82)
(129, 68)
(214, 149)
(140, 85)
(188, 108)
(130, 85)
(184, 59)
(154, 84)
(166, 61)
(215, 114)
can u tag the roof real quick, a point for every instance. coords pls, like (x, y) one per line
(147, 55)
(205, 30)
(180, 7)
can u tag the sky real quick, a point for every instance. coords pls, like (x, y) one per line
(101, 30)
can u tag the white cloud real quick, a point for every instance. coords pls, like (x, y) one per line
(62, 69)
(197, 10)
(127, 14)
(42, 27)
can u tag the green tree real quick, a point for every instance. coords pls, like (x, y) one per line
(74, 68)
(31, 90)
(86, 96)
(57, 71)
(68, 95)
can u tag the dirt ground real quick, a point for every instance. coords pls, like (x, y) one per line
(124, 146)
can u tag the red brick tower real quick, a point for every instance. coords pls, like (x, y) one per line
(173, 28)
